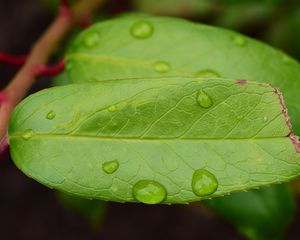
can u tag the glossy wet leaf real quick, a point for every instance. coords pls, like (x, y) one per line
(182, 48)
(259, 214)
(158, 133)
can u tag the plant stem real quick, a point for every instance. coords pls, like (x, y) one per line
(41, 51)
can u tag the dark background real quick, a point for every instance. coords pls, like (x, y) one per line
(31, 211)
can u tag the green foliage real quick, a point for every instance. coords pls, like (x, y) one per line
(160, 131)
(260, 214)
(173, 140)
(175, 47)
(93, 210)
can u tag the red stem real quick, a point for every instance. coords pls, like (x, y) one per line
(86, 22)
(45, 70)
(65, 8)
(12, 59)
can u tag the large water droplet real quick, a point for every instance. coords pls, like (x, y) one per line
(141, 29)
(207, 74)
(204, 183)
(149, 192)
(162, 67)
(91, 39)
(240, 41)
(112, 108)
(203, 99)
(50, 115)
(111, 166)
(28, 134)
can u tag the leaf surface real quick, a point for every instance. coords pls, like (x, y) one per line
(100, 140)
(176, 47)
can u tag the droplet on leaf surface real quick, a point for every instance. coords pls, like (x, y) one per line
(149, 192)
(207, 74)
(50, 115)
(111, 166)
(203, 99)
(141, 29)
(92, 39)
(28, 134)
(162, 67)
(204, 183)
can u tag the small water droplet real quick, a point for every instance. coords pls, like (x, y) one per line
(204, 183)
(28, 134)
(203, 99)
(51, 115)
(91, 39)
(141, 29)
(149, 192)
(114, 188)
(162, 67)
(112, 108)
(265, 119)
(207, 74)
(111, 166)
(240, 41)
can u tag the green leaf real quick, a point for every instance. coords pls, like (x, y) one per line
(175, 47)
(61, 80)
(92, 210)
(171, 143)
(260, 214)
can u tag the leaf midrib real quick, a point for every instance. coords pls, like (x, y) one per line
(41, 135)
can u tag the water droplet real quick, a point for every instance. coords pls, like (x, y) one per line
(28, 134)
(91, 39)
(112, 108)
(203, 99)
(51, 115)
(207, 74)
(114, 188)
(204, 183)
(149, 192)
(111, 166)
(162, 67)
(240, 41)
(265, 119)
(141, 29)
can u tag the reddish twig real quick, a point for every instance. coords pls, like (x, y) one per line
(40, 54)
(65, 8)
(12, 59)
(3, 144)
(2, 97)
(45, 70)
(87, 22)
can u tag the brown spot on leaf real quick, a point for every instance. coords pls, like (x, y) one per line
(241, 82)
(292, 136)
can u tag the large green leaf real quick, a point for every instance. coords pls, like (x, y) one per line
(139, 139)
(262, 214)
(143, 46)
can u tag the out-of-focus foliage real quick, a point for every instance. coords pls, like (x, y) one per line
(53, 4)
(92, 210)
(262, 214)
